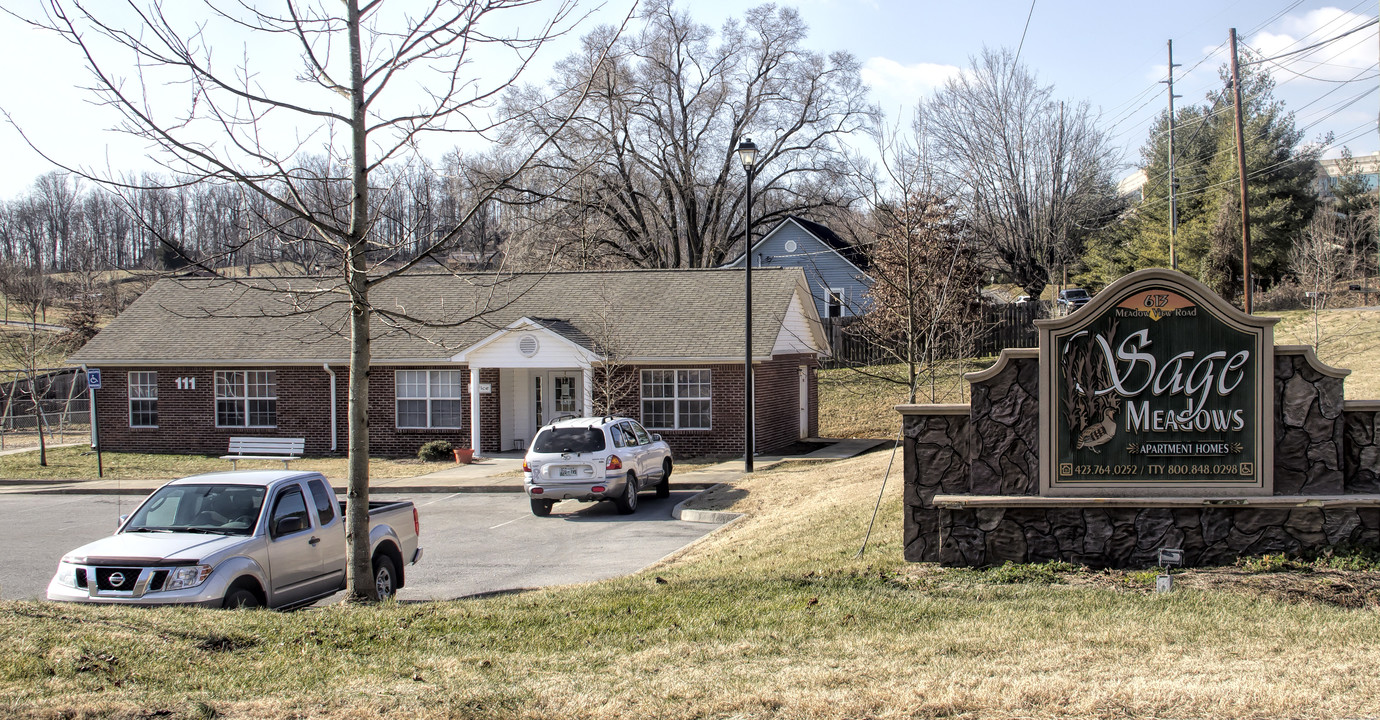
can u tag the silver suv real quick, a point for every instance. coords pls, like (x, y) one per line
(592, 459)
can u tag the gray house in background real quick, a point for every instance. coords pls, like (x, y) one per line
(835, 270)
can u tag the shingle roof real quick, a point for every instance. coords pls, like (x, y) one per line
(652, 314)
(850, 252)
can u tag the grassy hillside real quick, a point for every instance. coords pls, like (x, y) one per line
(861, 404)
(772, 617)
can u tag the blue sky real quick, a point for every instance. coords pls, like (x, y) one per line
(1110, 53)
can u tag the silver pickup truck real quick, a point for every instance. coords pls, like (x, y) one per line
(253, 538)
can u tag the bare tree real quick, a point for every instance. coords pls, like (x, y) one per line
(653, 147)
(32, 349)
(614, 382)
(373, 81)
(1319, 258)
(1034, 172)
(922, 260)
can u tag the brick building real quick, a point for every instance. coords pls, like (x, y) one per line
(479, 360)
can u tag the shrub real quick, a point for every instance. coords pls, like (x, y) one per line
(1285, 295)
(436, 450)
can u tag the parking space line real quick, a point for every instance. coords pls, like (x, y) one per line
(509, 522)
(433, 502)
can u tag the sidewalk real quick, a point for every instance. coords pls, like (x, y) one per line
(500, 473)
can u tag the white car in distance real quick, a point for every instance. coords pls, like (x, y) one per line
(591, 459)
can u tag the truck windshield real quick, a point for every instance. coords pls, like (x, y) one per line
(569, 440)
(218, 509)
(1076, 294)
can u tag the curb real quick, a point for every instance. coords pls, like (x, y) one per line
(717, 517)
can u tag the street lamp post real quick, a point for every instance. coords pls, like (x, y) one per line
(747, 152)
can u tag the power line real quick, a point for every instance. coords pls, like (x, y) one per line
(1316, 45)
(1023, 32)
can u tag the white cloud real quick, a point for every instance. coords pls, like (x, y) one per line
(893, 82)
(1342, 59)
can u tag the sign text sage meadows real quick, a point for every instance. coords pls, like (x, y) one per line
(1156, 384)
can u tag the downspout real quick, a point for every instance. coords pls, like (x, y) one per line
(329, 371)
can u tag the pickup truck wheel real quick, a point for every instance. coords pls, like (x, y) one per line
(627, 504)
(542, 508)
(663, 488)
(385, 578)
(240, 598)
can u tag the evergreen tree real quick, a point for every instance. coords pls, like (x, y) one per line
(1280, 172)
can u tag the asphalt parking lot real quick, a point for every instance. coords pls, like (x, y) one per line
(474, 542)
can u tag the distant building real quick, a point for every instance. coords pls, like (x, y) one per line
(1133, 186)
(1329, 171)
(835, 269)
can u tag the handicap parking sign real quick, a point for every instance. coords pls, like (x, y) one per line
(93, 378)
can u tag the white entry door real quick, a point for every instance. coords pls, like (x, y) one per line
(804, 402)
(564, 398)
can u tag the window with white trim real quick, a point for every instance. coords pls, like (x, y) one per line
(429, 398)
(834, 302)
(143, 399)
(246, 398)
(676, 399)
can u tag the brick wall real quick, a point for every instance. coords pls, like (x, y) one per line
(187, 420)
(777, 423)
(778, 404)
(186, 417)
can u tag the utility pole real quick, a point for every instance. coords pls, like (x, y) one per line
(1173, 182)
(1241, 170)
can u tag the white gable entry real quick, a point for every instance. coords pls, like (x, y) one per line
(545, 370)
(544, 375)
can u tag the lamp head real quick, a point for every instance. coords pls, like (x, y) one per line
(747, 152)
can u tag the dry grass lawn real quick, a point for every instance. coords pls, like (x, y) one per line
(75, 463)
(1347, 339)
(772, 617)
(854, 404)
(860, 403)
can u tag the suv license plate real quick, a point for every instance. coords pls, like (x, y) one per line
(569, 472)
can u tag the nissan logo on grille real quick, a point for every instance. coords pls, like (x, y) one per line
(117, 579)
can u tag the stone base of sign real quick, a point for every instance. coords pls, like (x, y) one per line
(972, 490)
(1132, 537)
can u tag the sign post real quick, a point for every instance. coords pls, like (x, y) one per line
(93, 383)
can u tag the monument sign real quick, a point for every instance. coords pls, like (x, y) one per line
(1156, 387)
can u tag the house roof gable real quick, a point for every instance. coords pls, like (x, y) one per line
(849, 252)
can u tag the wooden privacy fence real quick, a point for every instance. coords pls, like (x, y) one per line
(998, 327)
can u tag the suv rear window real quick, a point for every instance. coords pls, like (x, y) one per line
(569, 439)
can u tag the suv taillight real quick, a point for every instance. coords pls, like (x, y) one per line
(525, 467)
(416, 523)
(615, 463)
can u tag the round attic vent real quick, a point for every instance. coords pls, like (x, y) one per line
(527, 345)
(791, 246)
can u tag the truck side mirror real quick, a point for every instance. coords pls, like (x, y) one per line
(656, 437)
